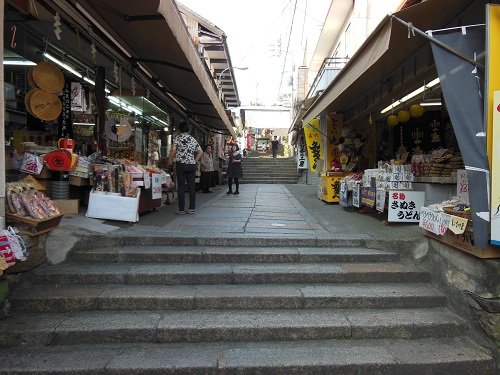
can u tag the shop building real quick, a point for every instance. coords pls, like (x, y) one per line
(409, 114)
(93, 95)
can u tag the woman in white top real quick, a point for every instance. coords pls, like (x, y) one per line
(206, 168)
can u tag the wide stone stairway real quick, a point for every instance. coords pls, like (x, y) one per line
(186, 308)
(267, 170)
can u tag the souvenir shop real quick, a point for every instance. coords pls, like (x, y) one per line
(391, 137)
(85, 128)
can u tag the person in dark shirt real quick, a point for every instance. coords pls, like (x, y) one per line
(234, 170)
(274, 145)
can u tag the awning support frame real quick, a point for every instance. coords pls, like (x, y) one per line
(438, 43)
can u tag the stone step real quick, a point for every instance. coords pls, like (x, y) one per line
(228, 273)
(266, 181)
(222, 254)
(63, 297)
(437, 356)
(226, 325)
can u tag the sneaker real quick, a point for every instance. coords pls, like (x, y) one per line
(236, 192)
(180, 212)
(229, 192)
(190, 212)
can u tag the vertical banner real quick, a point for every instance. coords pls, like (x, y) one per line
(492, 79)
(302, 152)
(462, 85)
(313, 142)
(495, 171)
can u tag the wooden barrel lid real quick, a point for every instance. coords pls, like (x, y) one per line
(31, 81)
(44, 105)
(48, 77)
(27, 99)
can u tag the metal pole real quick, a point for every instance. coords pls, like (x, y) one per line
(439, 43)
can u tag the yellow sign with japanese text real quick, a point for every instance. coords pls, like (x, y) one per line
(313, 142)
(495, 172)
(492, 75)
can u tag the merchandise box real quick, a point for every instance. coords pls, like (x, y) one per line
(113, 207)
(68, 206)
(79, 181)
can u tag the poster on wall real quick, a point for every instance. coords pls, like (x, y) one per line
(313, 142)
(405, 206)
(495, 174)
(302, 152)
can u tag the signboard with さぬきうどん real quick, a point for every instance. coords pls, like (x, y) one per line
(404, 206)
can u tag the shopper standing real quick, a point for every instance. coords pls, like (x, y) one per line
(274, 145)
(207, 169)
(234, 169)
(185, 152)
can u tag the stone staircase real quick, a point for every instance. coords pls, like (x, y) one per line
(217, 309)
(269, 171)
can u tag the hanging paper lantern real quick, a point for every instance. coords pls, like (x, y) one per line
(403, 116)
(392, 120)
(416, 110)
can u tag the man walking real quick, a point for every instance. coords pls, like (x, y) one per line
(274, 145)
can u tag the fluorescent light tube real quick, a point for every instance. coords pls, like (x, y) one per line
(19, 62)
(412, 94)
(63, 65)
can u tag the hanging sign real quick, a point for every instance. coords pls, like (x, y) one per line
(356, 195)
(302, 152)
(313, 142)
(380, 200)
(495, 174)
(462, 185)
(405, 206)
(156, 181)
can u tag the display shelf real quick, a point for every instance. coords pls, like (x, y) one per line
(33, 227)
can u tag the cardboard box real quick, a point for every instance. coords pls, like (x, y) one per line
(79, 181)
(68, 206)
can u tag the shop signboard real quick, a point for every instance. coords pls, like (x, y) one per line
(356, 193)
(313, 142)
(302, 153)
(343, 194)
(405, 206)
(368, 195)
(156, 186)
(495, 174)
(380, 200)
(434, 221)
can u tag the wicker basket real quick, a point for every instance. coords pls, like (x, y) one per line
(451, 211)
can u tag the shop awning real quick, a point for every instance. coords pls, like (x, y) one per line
(152, 34)
(385, 50)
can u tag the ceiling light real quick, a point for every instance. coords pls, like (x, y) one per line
(19, 62)
(124, 105)
(418, 91)
(62, 65)
(430, 104)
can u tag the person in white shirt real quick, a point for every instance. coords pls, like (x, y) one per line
(206, 168)
(185, 152)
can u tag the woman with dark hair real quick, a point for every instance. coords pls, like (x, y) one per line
(234, 170)
(185, 152)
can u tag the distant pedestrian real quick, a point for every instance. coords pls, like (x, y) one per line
(274, 145)
(234, 169)
(206, 168)
(185, 152)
